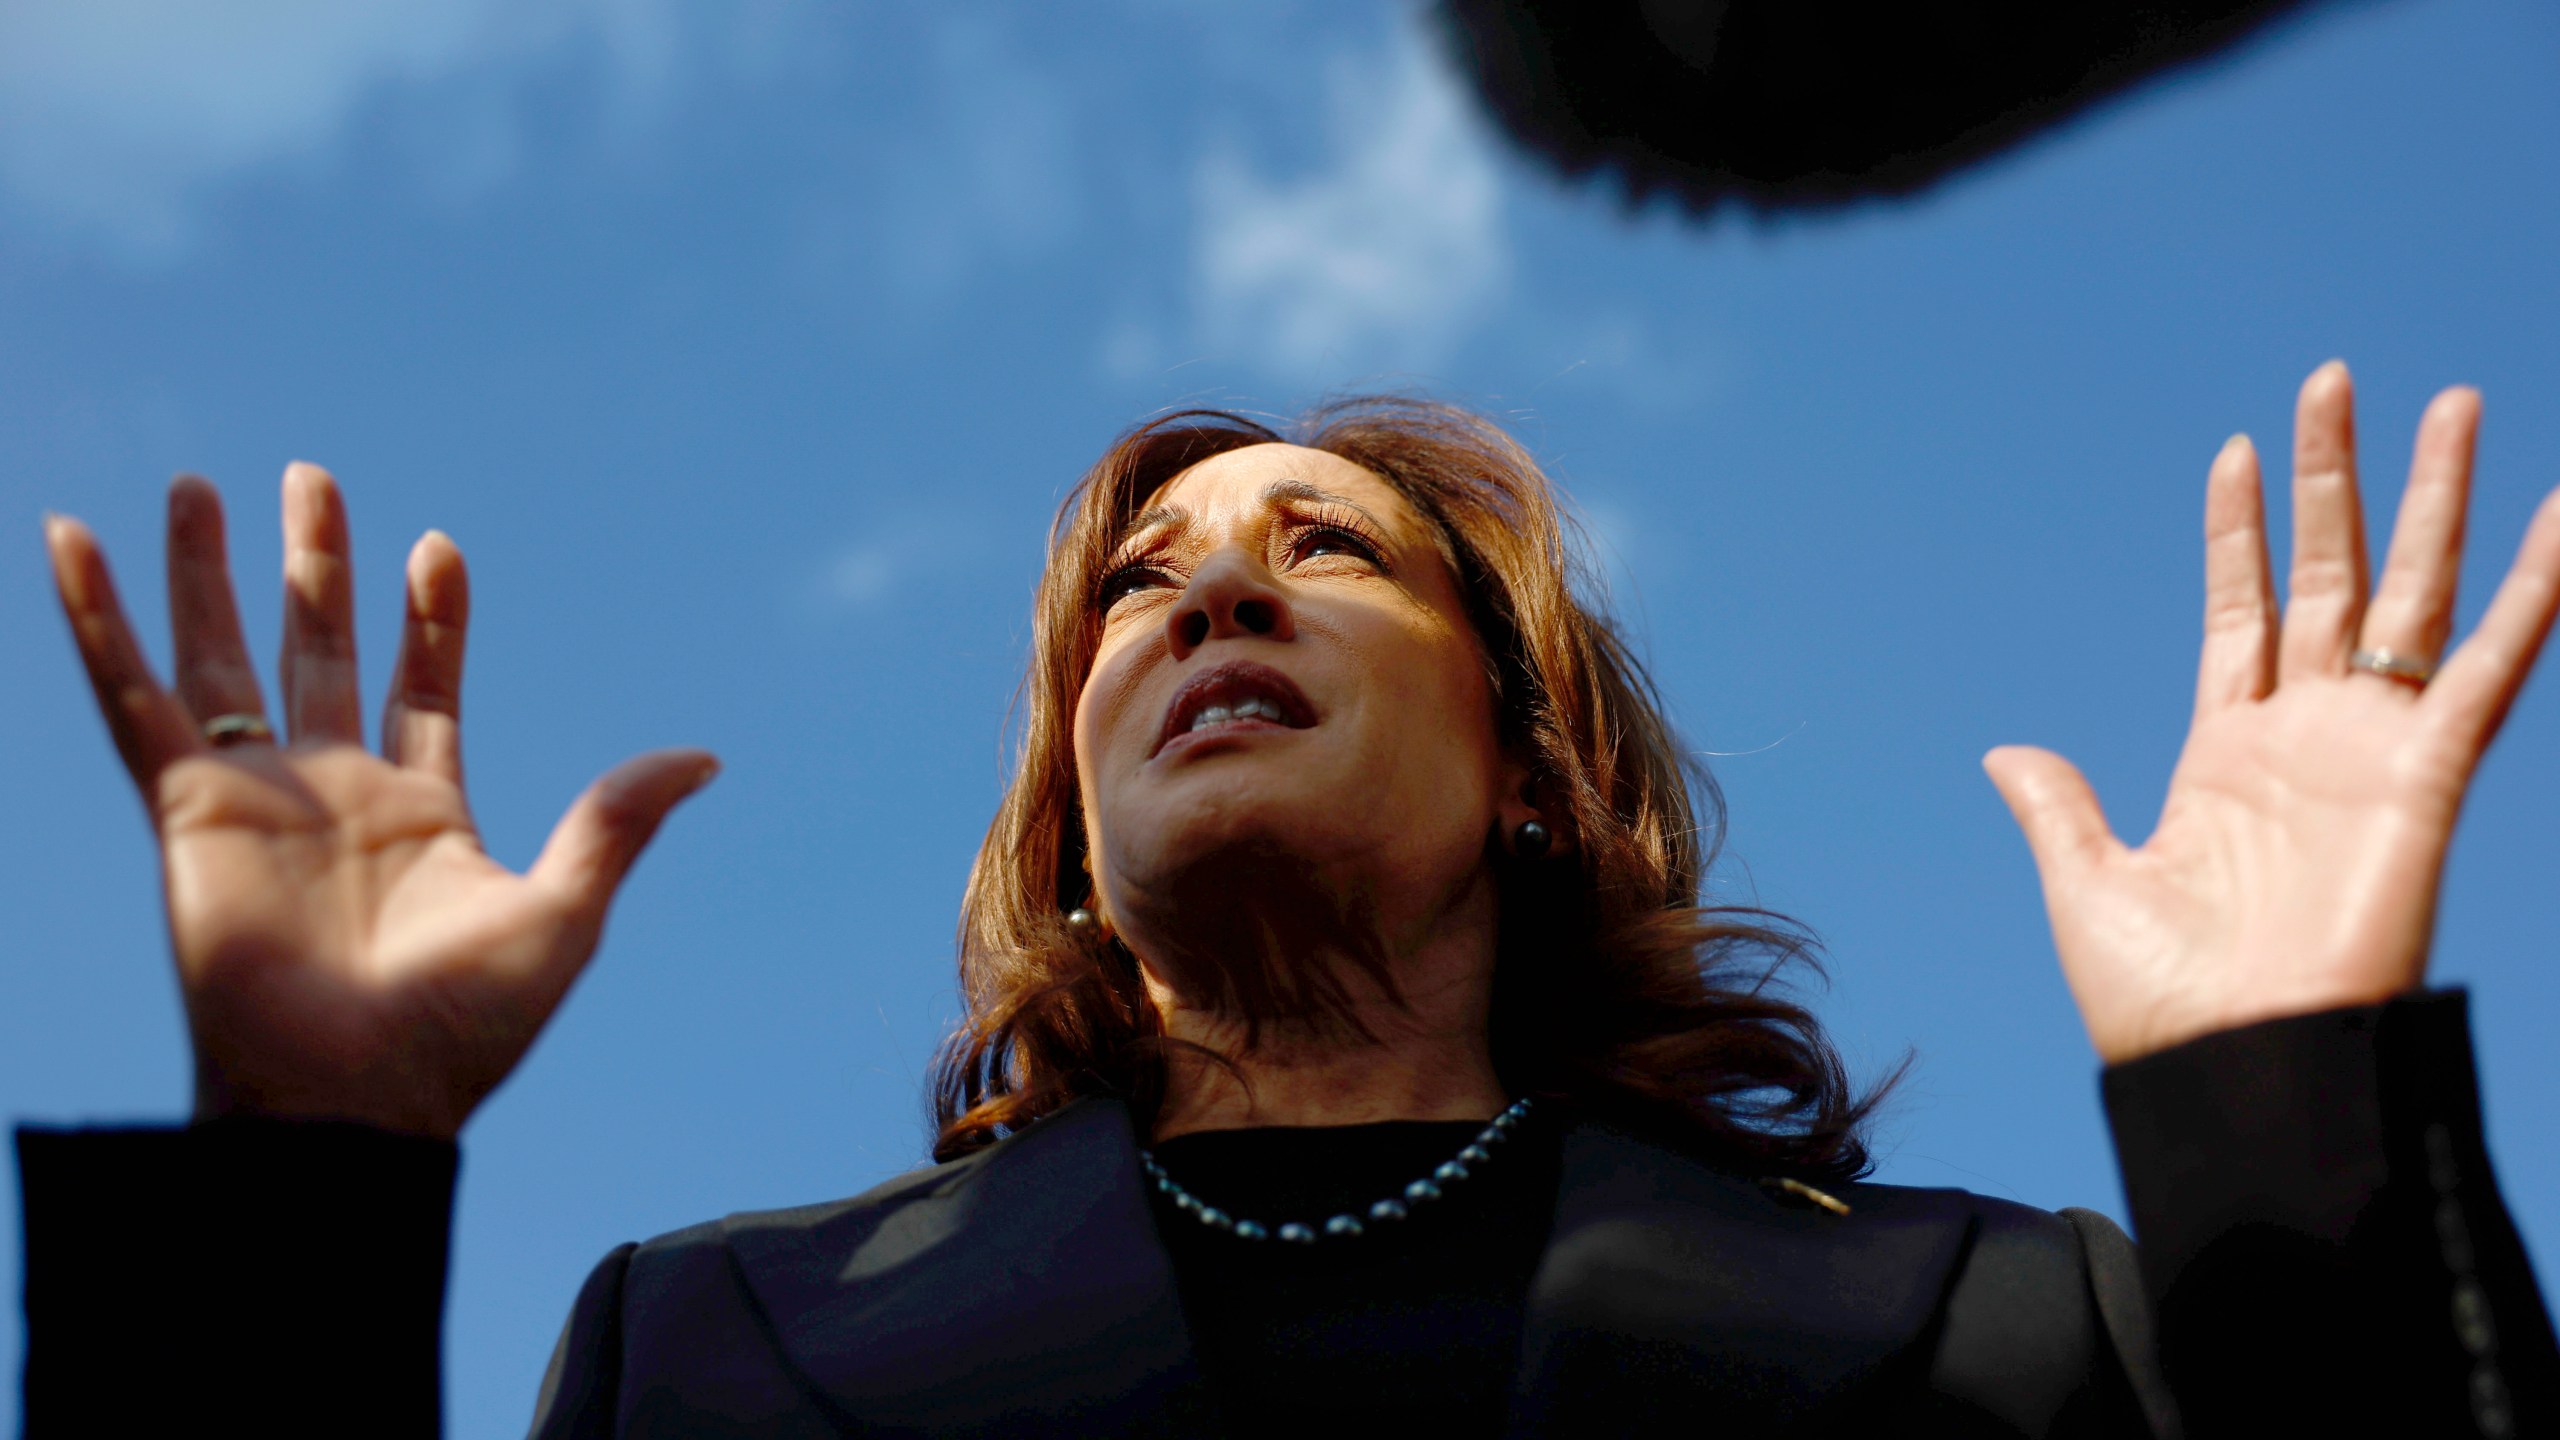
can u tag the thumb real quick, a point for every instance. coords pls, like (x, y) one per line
(592, 847)
(2053, 804)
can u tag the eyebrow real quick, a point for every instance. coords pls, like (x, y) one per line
(1175, 517)
(1304, 493)
(1152, 518)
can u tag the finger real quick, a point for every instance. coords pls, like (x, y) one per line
(2325, 593)
(150, 728)
(422, 719)
(214, 673)
(592, 847)
(319, 660)
(2238, 663)
(2412, 610)
(2470, 696)
(2054, 806)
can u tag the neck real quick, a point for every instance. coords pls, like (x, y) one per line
(1426, 1056)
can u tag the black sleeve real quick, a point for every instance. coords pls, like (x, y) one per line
(242, 1276)
(2323, 1235)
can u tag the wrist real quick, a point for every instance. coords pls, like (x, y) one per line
(2120, 1038)
(411, 1114)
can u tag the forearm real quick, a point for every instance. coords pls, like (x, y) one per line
(269, 1276)
(2323, 1233)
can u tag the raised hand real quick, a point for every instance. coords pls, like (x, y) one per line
(344, 946)
(2296, 863)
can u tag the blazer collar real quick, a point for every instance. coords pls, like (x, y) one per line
(1024, 1292)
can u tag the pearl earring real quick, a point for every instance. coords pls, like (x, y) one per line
(1532, 840)
(1083, 921)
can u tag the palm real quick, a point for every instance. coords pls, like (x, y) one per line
(2296, 862)
(331, 911)
(2292, 845)
(344, 946)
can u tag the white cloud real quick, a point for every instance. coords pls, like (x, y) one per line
(116, 116)
(1384, 257)
(888, 560)
(861, 574)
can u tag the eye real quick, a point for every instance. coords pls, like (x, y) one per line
(1126, 581)
(1315, 541)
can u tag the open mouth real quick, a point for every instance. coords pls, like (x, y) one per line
(1234, 697)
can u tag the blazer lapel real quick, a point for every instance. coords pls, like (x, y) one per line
(1673, 1293)
(1021, 1292)
(1024, 1293)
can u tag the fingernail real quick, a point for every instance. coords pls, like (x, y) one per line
(417, 562)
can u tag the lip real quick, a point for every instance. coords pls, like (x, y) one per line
(1225, 684)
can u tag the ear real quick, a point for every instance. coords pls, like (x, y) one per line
(1527, 798)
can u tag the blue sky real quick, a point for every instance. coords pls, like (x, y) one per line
(746, 350)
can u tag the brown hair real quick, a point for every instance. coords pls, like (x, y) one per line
(1615, 987)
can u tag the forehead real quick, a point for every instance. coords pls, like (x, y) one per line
(1240, 481)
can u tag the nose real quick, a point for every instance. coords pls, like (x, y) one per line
(1230, 597)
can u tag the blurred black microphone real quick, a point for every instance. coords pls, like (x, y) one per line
(1795, 104)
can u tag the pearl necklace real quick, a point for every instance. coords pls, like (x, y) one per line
(1477, 1154)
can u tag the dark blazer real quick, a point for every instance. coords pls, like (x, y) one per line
(1023, 1292)
(2326, 1250)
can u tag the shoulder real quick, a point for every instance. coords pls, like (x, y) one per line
(2023, 1281)
(854, 1213)
(693, 1311)
(2014, 1240)
(2020, 1282)
(2045, 1320)
(1966, 1310)
(680, 1310)
(890, 1225)
(1034, 1258)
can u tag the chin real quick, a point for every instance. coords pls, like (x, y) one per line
(1241, 831)
(1223, 837)
(1230, 902)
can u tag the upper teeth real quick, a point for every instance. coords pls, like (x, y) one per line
(1255, 709)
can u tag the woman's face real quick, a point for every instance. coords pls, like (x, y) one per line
(1287, 694)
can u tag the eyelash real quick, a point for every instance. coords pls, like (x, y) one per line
(1113, 590)
(1120, 582)
(1335, 523)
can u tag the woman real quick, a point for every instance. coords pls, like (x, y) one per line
(1347, 1046)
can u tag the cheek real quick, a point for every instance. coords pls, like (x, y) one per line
(1105, 708)
(1090, 738)
(1437, 715)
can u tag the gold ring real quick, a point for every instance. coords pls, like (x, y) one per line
(236, 729)
(2393, 666)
